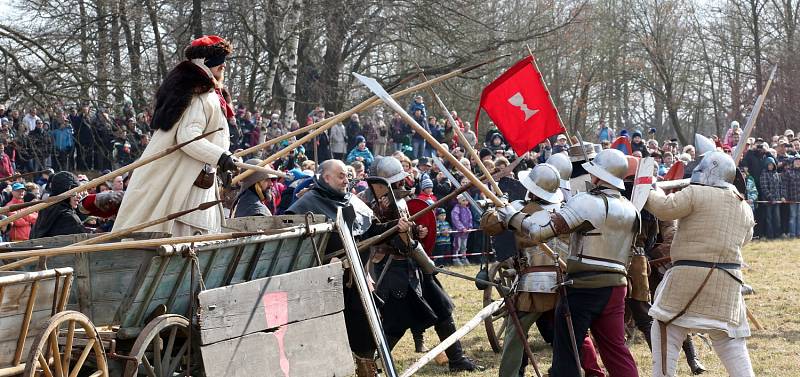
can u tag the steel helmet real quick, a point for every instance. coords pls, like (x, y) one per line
(609, 166)
(563, 165)
(389, 168)
(703, 145)
(543, 182)
(716, 169)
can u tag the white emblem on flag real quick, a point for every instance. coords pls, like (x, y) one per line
(518, 101)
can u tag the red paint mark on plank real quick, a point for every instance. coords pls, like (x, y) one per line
(276, 312)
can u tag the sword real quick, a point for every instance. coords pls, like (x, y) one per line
(751, 120)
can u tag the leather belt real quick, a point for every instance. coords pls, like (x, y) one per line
(726, 267)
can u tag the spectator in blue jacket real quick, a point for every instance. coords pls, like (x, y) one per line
(360, 153)
(64, 143)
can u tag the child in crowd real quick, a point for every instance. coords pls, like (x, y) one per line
(427, 191)
(443, 244)
(461, 216)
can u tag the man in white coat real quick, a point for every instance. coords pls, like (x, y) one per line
(191, 101)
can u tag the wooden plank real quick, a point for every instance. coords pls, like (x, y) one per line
(241, 309)
(315, 347)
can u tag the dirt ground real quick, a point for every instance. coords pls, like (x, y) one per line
(775, 351)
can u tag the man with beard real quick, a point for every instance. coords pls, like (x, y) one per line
(190, 102)
(329, 193)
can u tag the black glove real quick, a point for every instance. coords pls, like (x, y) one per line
(227, 162)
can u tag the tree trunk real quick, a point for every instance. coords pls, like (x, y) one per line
(197, 18)
(84, 42)
(134, 57)
(161, 60)
(119, 92)
(101, 55)
(291, 62)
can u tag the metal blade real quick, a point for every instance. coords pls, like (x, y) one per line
(360, 277)
(376, 88)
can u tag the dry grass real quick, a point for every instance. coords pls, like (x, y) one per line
(774, 271)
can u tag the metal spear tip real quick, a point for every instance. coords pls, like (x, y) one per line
(208, 205)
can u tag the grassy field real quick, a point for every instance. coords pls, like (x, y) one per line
(773, 272)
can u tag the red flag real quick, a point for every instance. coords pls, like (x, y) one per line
(520, 106)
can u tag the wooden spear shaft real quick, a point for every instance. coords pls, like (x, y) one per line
(101, 179)
(112, 235)
(369, 103)
(435, 144)
(541, 79)
(463, 140)
(140, 244)
(298, 131)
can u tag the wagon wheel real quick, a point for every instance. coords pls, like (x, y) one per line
(55, 352)
(162, 348)
(496, 324)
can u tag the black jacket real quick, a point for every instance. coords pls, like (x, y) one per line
(56, 220)
(249, 204)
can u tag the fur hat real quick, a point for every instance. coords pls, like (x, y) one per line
(211, 48)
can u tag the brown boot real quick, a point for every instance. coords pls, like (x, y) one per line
(366, 367)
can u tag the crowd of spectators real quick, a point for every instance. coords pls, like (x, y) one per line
(87, 141)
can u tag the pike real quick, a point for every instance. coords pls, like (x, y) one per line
(112, 235)
(101, 179)
(363, 245)
(463, 140)
(740, 148)
(369, 103)
(484, 313)
(302, 130)
(159, 242)
(376, 88)
(261, 169)
(751, 120)
(21, 175)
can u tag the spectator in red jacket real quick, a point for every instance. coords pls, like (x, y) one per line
(20, 229)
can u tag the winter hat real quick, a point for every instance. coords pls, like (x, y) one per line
(440, 211)
(213, 49)
(637, 133)
(652, 130)
(426, 183)
(623, 133)
(768, 160)
(484, 152)
(62, 182)
(360, 139)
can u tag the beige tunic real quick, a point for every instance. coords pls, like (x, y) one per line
(166, 185)
(713, 225)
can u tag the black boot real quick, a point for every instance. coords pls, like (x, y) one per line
(419, 342)
(691, 357)
(458, 362)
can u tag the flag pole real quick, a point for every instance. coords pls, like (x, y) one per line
(541, 79)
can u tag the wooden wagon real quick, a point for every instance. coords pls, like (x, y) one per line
(35, 328)
(142, 300)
